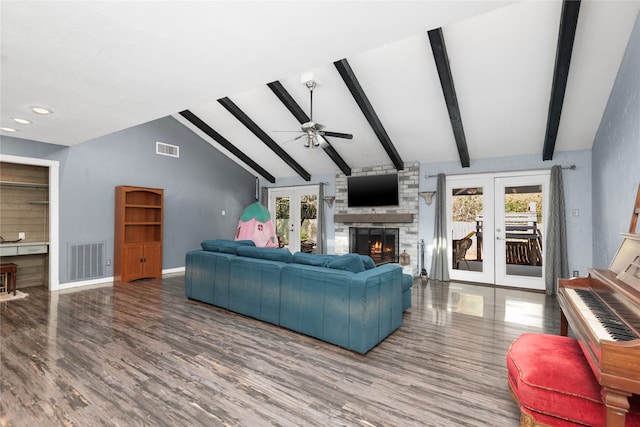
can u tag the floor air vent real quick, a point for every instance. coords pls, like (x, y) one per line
(167, 149)
(86, 261)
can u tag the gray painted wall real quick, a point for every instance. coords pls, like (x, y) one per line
(616, 157)
(198, 186)
(577, 192)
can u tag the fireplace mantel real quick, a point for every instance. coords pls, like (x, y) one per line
(374, 218)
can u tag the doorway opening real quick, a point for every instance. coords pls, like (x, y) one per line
(497, 228)
(295, 215)
(53, 212)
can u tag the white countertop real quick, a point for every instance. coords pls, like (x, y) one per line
(23, 248)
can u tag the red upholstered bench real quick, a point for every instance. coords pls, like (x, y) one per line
(552, 382)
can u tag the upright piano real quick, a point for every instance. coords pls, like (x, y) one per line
(603, 311)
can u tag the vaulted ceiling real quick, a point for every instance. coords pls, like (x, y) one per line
(411, 81)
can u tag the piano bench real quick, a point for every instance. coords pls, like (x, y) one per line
(552, 382)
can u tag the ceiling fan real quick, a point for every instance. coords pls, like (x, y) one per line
(314, 132)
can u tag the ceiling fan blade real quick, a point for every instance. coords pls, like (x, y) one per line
(337, 134)
(293, 139)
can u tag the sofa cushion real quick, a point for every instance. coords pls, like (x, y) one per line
(309, 259)
(347, 262)
(272, 254)
(367, 262)
(407, 282)
(224, 245)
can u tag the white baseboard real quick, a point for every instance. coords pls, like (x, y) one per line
(173, 270)
(108, 280)
(100, 281)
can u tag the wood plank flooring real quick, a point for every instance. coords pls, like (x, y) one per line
(142, 354)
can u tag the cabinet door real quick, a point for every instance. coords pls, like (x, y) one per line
(152, 265)
(132, 262)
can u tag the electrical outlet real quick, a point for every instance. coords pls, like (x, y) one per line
(108, 262)
(21, 235)
(576, 273)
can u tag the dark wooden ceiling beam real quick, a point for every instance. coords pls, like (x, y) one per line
(288, 101)
(441, 58)
(566, 36)
(361, 99)
(262, 135)
(285, 97)
(200, 124)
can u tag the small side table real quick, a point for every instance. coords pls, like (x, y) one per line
(12, 270)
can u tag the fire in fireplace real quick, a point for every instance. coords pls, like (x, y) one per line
(381, 244)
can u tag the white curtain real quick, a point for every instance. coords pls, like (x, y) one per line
(439, 261)
(555, 259)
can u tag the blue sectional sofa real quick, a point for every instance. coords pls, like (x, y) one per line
(344, 300)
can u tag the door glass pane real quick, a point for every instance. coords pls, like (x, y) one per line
(467, 220)
(523, 230)
(308, 222)
(282, 221)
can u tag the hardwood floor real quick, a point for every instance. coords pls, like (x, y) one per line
(142, 354)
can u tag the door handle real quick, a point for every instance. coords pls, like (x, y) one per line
(498, 238)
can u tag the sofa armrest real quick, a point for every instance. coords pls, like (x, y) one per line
(207, 276)
(375, 305)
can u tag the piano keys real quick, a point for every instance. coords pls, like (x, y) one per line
(605, 323)
(603, 311)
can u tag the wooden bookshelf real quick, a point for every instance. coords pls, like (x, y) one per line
(138, 233)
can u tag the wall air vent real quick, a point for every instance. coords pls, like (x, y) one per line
(86, 260)
(167, 149)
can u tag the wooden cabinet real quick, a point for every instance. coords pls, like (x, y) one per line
(138, 233)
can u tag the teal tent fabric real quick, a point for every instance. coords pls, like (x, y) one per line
(257, 211)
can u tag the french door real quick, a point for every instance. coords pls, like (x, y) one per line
(295, 214)
(496, 228)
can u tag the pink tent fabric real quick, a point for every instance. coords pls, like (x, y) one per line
(256, 224)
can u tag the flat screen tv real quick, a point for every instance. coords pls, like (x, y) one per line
(372, 190)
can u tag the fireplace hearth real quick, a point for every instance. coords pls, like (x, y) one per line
(381, 244)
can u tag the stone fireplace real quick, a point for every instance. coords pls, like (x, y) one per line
(381, 244)
(403, 218)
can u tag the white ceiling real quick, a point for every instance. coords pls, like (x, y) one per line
(103, 66)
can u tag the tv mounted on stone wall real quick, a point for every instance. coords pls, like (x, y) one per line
(372, 190)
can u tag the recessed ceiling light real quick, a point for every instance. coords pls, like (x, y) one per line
(7, 129)
(21, 121)
(41, 110)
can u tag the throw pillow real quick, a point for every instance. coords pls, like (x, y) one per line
(348, 262)
(224, 245)
(308, 259)
(272, 254)
(368, 262)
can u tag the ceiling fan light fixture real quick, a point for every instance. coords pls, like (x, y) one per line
(21, 120)
(40, 110)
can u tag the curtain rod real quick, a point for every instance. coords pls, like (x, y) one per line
(572, 167)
